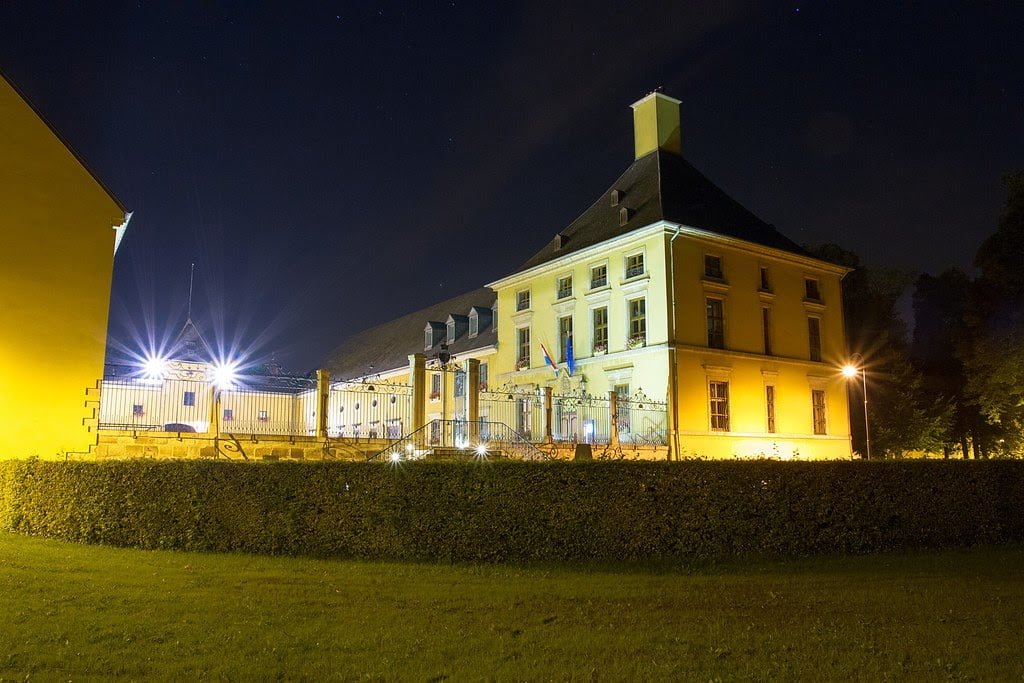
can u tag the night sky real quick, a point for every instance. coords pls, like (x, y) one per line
(331, 166)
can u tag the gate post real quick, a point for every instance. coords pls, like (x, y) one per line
(418, 382)
(323, 392)
(472, 390)
(548, 412)
(613, 416)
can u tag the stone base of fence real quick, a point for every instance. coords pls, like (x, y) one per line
(189, 446)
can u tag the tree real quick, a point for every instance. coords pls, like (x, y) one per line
(902, 416)
(940, 333)
(994, 358)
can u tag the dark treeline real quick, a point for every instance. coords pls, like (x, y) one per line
(955, 384)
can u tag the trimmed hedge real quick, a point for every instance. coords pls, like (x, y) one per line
(508, 511)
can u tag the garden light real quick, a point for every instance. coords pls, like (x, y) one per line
(154, 367)
(225, 374)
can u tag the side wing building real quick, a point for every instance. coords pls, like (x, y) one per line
(60, 230)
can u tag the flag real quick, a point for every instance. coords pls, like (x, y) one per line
(549, 360)
(570, 359)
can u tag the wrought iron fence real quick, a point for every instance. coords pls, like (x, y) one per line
(364, 410)
(284, 406)
(642, 421)
(521, 411)
(255, 405)
(581, 418)
(161, 405)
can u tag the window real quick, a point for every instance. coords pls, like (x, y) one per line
(460, 384)
(716, 324)
(718, 393)
(638, 320)
(565, 287)
(229, 414)
(811, 289)
(494, 317)
(474, 324)
(713, 266)
(523, 347)
(765, 284)
(769, 404)
(264, 416)
(435, 386)
(564, 335)
(137, 410)
(598, 276)
(188, 398)
(483, 377)
(523, 300)
(451, 331)
(428, 338)
(634, 265)
(600, 329)
(766, 327)
(818, 406)
(814, 338)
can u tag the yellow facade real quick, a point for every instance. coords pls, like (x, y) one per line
(59, 226)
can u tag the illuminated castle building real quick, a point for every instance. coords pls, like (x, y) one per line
(664, 290)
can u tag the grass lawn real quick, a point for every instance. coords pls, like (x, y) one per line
(74, 612)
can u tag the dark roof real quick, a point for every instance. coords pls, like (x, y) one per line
(387, 346)
(662, 186)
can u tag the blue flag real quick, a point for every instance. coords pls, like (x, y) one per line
(570, 359)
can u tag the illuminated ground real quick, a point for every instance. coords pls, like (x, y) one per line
(77, 612)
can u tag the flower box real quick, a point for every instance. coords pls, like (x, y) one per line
(600, 349)
(637, 341)
(522, 364)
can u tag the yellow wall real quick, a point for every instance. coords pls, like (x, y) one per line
(55, 273)
(743, 362)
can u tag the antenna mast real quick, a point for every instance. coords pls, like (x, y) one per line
(191, 277)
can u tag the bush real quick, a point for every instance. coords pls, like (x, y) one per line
(509, 511)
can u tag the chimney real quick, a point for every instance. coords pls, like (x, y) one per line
(656, 125)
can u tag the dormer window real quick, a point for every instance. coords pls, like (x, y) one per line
(451, 331)
(616, 197)
(433, 334)
(474, 323)
(623, 216)
(565, 287)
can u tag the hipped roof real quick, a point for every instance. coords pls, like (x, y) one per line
(662, 186)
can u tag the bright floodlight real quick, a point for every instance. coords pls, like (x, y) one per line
(154, 367)
(481, 449)
(395, 456)
(850, 370)
(225, 374)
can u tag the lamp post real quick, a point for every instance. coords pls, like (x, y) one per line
(850, 371)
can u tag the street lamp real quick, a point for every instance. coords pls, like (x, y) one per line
(850, 371)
